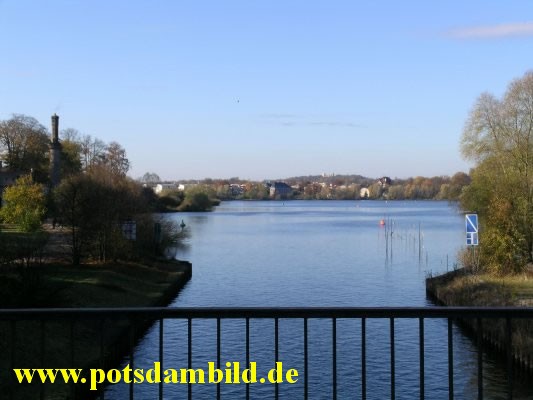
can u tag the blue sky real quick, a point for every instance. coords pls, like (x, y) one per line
(264, 89)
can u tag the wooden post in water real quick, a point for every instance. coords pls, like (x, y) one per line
(390, 230)
(419, 244)
(386, 241)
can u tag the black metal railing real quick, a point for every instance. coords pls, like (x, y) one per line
(479, 316)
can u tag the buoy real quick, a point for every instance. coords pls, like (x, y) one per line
(382, 222)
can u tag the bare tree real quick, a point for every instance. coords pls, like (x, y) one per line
(115, 159)
(92, 151)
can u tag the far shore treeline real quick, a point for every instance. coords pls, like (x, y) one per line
(319, 187)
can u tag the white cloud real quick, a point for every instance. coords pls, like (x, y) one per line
(493, 31)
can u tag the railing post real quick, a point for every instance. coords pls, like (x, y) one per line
(363, 358)
(479, 359)
(71, 358)
(102, 355)
(42, 346)
(13, 343)
(276, 341)
(189, 355)
(161, 354)
(334, 356)
(247, 355)
(421, 356)
(450, 360)
(306, 373)
(218, 355)
(392, 362)
(509, 337)
(132, 353)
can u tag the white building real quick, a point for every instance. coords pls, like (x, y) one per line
(164, 186)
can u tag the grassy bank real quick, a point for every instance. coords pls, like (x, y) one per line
(106, 285)
(463, 288)
(81, 343)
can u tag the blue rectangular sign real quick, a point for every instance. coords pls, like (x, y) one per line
(472, 239)
(471, 230)
(471, 222)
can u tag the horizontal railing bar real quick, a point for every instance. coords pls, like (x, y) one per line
(263, 312)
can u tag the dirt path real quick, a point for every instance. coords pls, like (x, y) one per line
(57, 248)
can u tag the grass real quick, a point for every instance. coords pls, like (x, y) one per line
(519, 287)
(109, 285)
(25, 247)
(461, 288)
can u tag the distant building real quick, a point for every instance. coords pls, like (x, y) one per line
(160, 187)
(236, 189)
(364, 193)
(280, 189)
(385, 181)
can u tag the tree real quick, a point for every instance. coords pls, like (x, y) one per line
(94, 205)
(24, 145)
(498, 136)
(70, 152)
(72, 199)
(197, 198)
(376, 190)
(150, 177)
(256, 191)
(452, 190)
(115, 158)
(396, 192)
(460, 179)
(24, 204)
(92, 151)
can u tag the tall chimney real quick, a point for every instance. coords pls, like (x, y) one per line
(55, 153)
(55, 128)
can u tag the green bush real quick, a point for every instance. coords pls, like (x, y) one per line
(24, 204)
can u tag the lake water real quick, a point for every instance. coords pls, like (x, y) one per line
(320, 253)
